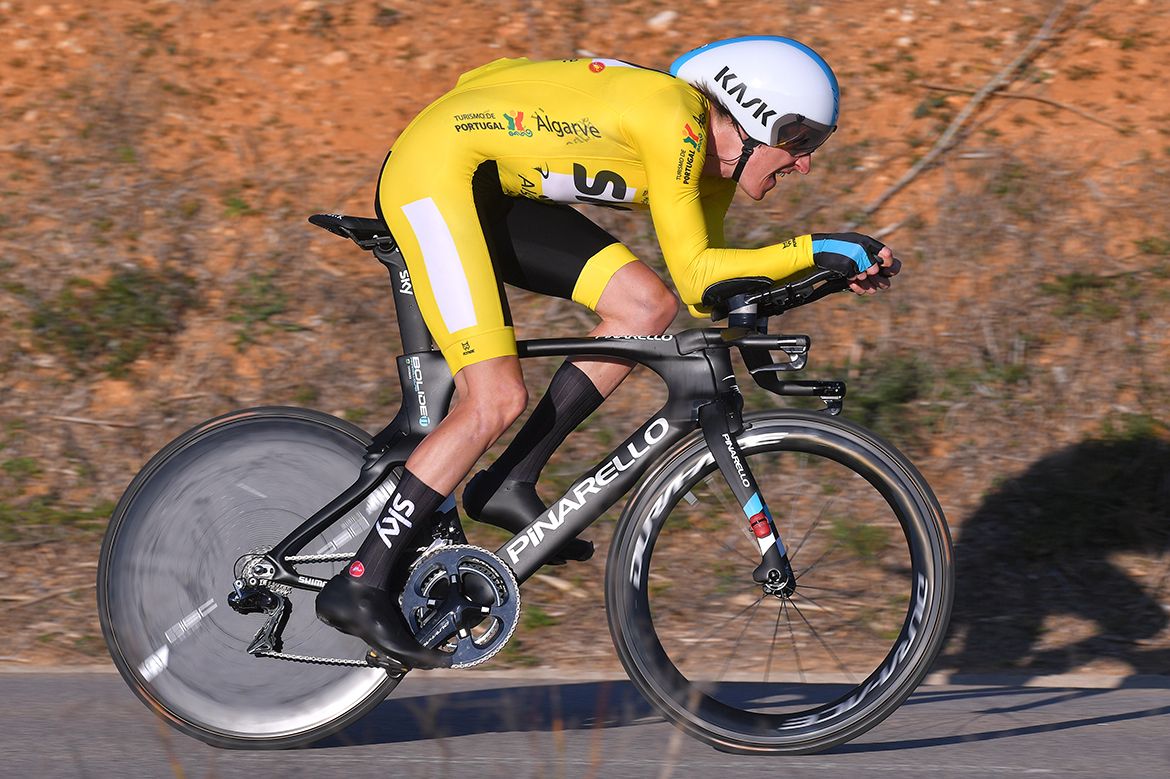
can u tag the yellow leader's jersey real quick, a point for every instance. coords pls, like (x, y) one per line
(594, 131)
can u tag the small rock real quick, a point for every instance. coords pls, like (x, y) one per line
(338, 57)
(661, 21)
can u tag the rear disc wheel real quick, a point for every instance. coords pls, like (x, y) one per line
(223, 491)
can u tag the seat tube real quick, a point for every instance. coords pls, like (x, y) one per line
(415, 335)
(720, 421)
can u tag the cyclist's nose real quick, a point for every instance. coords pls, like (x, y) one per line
(804, 164)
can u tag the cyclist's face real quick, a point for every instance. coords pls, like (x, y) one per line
(766, 166)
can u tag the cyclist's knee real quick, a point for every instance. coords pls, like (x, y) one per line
(496, 399)
(661, 308)
(638, 301)
(648, 310)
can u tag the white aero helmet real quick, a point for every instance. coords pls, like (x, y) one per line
(781, 92)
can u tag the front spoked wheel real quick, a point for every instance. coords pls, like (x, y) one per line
(751, 672)
(200, 510)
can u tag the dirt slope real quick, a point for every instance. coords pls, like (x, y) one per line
(159, 160)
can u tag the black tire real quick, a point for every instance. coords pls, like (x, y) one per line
(222, 489)
(875, 580)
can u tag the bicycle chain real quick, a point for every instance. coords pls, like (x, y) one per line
(313, 660)
(335, 557)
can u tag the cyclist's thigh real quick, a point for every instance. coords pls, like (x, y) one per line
(553, 249)
(430, 209)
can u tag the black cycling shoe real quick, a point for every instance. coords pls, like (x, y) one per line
(372, 615)
(512, 505)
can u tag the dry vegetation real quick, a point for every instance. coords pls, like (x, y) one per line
(159, 160)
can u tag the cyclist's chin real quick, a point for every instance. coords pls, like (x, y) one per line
(756, 190)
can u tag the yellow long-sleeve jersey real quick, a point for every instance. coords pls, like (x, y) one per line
(594, 131)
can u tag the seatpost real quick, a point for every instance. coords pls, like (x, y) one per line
(415, 335)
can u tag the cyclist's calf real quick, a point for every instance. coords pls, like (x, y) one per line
(490, 396)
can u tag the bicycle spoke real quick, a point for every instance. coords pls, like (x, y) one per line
(836, 545)
(716, 628)
(772, 648)
(736, 551)
(822, 642)
(834, 591)
(720, 489)
(822, 567)
(819, 606)
(808, 533)
(739, 639)
(792, 636)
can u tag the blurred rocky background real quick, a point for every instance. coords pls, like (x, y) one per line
(158, 159)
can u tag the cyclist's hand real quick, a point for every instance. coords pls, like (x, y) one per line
(877, 276)
(867, 262)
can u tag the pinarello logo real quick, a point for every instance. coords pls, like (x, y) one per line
(596, 66)
(692, 137)
(356, 569)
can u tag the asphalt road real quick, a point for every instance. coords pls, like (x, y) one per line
(67, 725)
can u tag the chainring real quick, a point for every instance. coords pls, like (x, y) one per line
(463, 600)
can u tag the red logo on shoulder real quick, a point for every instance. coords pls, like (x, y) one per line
(596, 66)
(356, 569)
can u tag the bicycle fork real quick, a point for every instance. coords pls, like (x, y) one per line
(720, 422)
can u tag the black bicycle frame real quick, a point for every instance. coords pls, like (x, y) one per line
(702, 392)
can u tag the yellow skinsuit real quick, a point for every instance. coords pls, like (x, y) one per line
(571, 131)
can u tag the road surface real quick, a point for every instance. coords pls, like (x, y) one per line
(485, 725)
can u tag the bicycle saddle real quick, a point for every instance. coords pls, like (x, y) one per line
(363, 231)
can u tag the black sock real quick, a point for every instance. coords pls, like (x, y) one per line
(398, 531)
(570, 399)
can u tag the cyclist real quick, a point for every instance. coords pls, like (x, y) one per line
(475, 192)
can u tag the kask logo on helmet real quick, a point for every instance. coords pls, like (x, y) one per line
(725, 77)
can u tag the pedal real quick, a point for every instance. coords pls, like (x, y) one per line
(385, 662)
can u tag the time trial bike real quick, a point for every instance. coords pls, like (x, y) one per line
(779, 581)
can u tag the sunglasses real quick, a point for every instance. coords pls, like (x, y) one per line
(799, 135)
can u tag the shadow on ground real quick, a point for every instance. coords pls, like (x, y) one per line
(521, 709)
(1045, 545)
(549, 707)
(602, 705)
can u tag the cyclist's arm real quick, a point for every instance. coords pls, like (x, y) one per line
(716, 195)
(656, 127)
